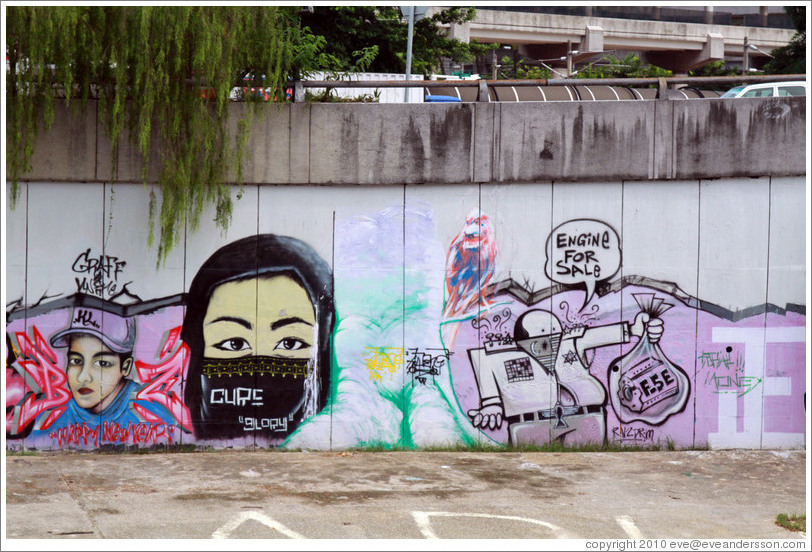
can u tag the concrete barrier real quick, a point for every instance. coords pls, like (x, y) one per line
(380, 144)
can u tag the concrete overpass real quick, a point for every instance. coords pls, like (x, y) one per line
(676, 46)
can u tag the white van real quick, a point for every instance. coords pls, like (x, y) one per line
(767, 90)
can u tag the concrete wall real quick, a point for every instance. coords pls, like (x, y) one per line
(379, 144)
(507, 274)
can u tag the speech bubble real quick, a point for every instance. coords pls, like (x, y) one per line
(582, 251)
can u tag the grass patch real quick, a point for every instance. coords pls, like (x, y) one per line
(483, 446)
(22, 452)
(487, 446)
(792, 522)
(555, 446)
(476, 447)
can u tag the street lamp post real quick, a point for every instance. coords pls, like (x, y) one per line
(746, 60)
(410, 17)
(412, 14)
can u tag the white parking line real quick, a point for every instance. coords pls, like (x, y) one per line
(423, 521)
(225, 531)
(627, 524)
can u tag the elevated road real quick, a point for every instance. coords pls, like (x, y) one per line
(671, 45)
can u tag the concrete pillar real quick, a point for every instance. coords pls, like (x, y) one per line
(592, 41)
(682, 62)
(714, 48)
(709, 15)
(482, 92)
(460, 31)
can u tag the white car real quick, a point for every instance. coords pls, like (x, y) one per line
(767, 90)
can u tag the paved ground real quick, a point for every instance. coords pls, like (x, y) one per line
(403, 495)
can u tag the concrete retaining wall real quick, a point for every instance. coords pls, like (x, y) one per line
(494, 142)
(626, 272)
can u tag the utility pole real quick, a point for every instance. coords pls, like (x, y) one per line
(746, 58)
(569, 58)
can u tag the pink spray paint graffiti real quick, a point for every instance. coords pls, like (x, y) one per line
(162, 380)
(38, 361)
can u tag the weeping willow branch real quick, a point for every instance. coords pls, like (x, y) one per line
(159, 74)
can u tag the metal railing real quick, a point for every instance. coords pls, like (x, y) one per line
(661, 83)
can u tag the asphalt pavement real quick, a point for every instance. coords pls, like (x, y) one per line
(729, 494)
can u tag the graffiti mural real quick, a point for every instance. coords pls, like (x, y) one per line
(408, 328)
(470, 265)
(258, 325)
(84, 386)
(98, 275)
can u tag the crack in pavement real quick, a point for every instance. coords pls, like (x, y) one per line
(83, 507)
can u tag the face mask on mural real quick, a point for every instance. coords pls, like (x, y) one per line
(254, 374)
(265, 397)
(260, 365)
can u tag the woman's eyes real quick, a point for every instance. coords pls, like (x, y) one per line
(233, 344)
(291, 344)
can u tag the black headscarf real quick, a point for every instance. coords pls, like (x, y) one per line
(253, 257)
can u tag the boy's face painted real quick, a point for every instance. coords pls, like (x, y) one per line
(95, 373)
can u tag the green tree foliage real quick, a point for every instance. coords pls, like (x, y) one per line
(606, 67)
(791, 59)
(430, 43)
(716, 68)
(349, 30)
(630, 67)
(333, 67)
(533, 73)
(157, 72)
(521, 69)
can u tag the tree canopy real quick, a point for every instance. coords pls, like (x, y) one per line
(791, 59)
(165, 73)
(348, 30)
(162, 72)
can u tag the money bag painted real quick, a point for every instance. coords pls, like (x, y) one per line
(644, 385)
